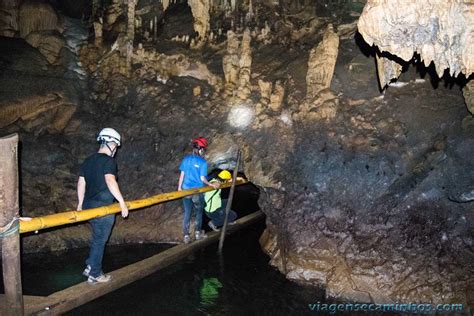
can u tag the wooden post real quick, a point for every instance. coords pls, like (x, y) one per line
(229, 202)
(9, 227)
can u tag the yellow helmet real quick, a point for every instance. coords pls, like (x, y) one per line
(225, 175)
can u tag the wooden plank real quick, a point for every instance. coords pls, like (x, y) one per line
(82, 293)
(27, 299)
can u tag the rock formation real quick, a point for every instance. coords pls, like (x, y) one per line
(51, 112)
(321, 103)
(49, 44)
(265, 91)
(387, 70)
(200, 10)
(113, 12)
(245, 64)
(441, 32)
(276, 98)
(230, 63)
(9, 17)
(468, 92)
(131, 4)
(36, 16)
(237, 64)
(321, 63)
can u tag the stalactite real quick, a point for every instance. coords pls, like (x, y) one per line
(250, 12)
(131, 4)
(114, 10)
(166, 4)
(200, 10)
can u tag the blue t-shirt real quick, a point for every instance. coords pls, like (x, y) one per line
(193, 167)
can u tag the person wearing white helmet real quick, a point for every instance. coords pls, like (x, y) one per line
(97, 186)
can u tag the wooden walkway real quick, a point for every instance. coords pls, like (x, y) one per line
(79, 294)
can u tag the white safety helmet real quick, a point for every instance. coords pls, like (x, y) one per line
(108, 135)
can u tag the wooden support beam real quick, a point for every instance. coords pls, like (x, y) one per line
(9, 228)
(82, 293)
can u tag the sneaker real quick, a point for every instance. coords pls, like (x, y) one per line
(86, 271)
(103, 278)
(232, 223)
(200, 235)
(187, 239)
(212, 226)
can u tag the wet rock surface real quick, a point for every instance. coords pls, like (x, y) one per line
(366, 193)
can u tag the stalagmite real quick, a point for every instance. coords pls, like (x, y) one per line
(245, 64)
(98, 32)
(276, 99)
(321, 63)
(230, 63)
(265, 91)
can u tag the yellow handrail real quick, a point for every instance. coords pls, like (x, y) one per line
(70, 217)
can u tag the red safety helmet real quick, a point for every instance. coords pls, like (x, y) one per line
(200, 142)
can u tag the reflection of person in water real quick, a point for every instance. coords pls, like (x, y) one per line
(209, 291)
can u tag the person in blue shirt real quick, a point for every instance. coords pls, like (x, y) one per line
(193, 176)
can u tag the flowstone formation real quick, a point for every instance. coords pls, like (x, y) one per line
(367, 194)
(438, 32)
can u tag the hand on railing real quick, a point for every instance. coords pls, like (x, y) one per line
(124, 209)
